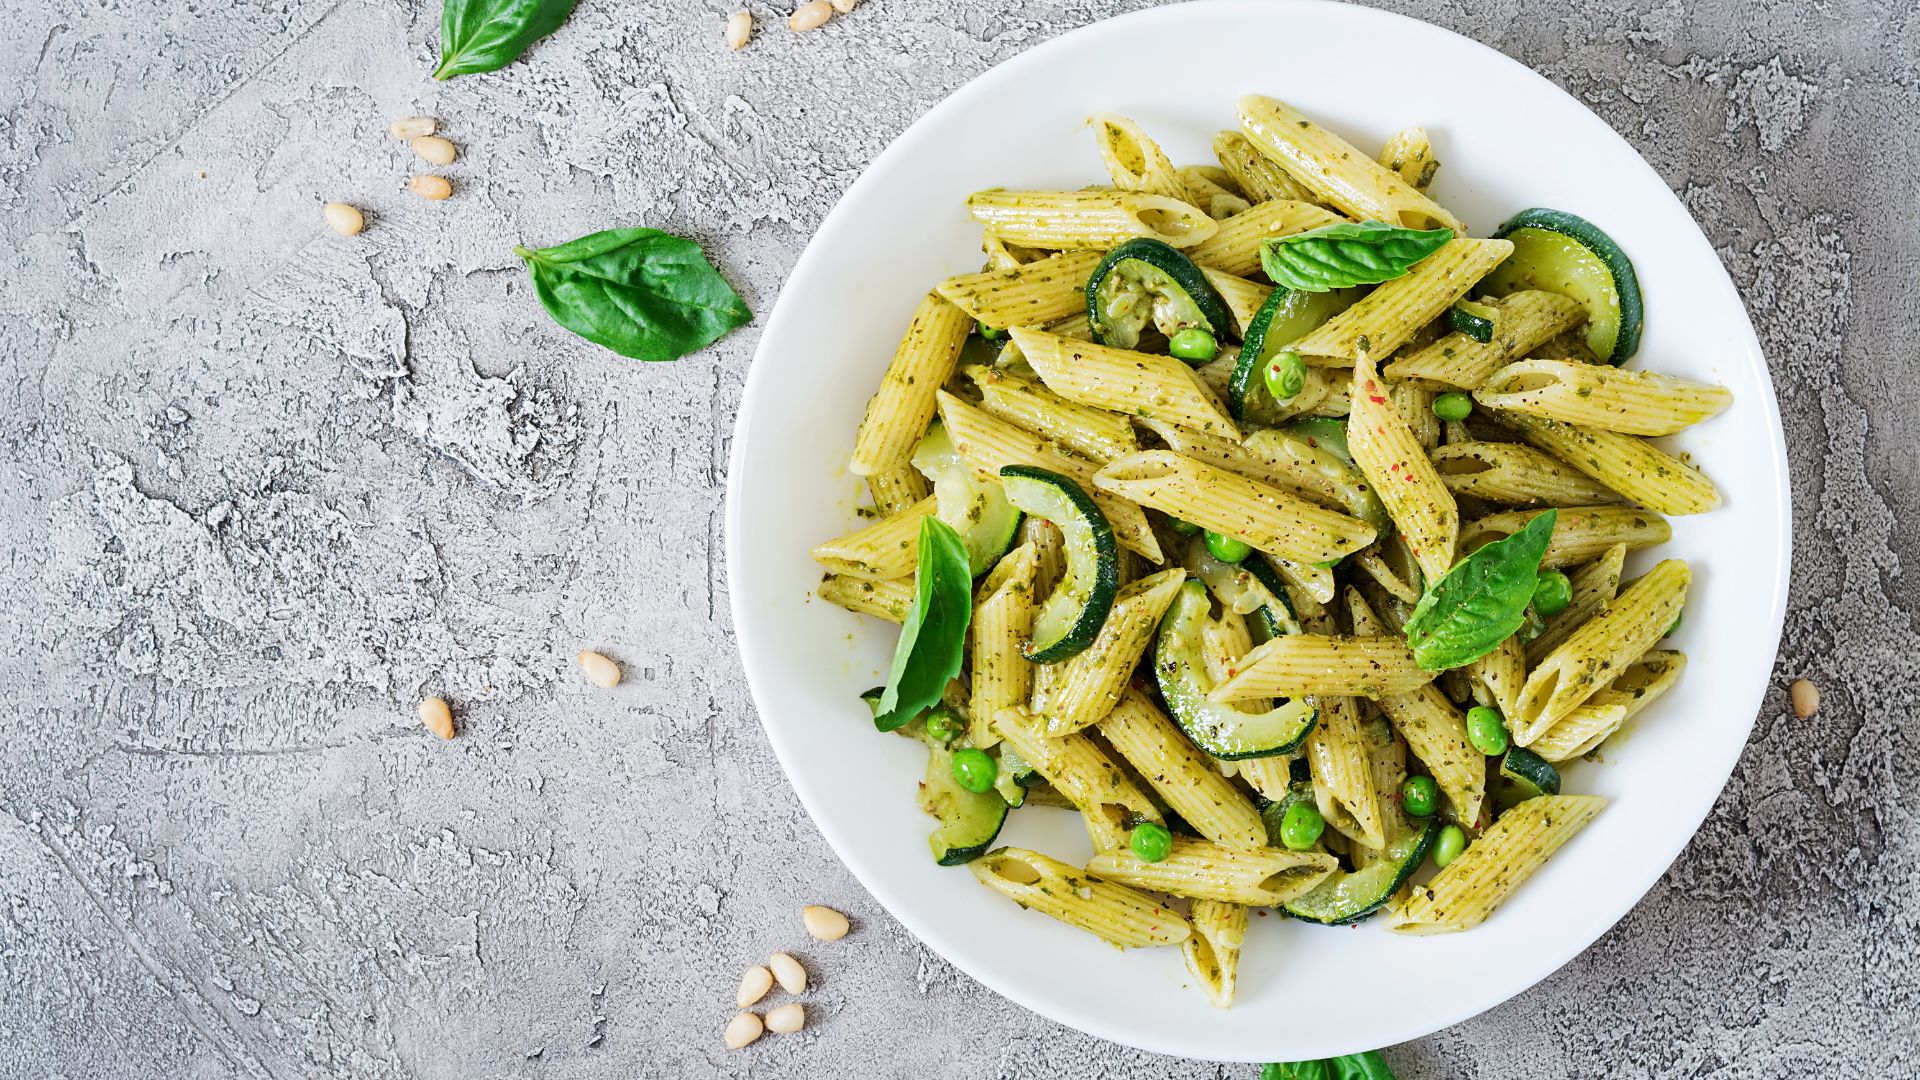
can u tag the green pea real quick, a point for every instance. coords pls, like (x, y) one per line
(1194, 344)
(1301, 827)
(974, 769)
(1453, 406)
(991, 333)
(1486, 730)
(1553, 593)
(1226, 548)
(1151, 841)
(942, 724)
(1286, 376)
(1448, 845)
(1419, 795)
(1182, 528)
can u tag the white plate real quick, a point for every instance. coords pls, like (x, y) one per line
(1507, 139)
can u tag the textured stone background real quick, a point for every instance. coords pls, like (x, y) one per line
(262, 488)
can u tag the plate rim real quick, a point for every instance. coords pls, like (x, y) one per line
(928, 932)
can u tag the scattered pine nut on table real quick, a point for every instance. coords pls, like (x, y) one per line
(431, 187)
(824, 923)
(434, 149)
(412, 127)
(437, 716)
(810, 16)
(787, 1019)
(344, 218)
(600, 670)
(742, 1030)
(1805, 697)
(739, 29)
(754, 984)
(788, 972)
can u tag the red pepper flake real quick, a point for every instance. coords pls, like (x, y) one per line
(1376, 399)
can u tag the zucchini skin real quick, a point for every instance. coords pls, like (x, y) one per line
(1168, 260)
(1177, 666)
(1106, 566)
(1408, 857)
(1626, 283)
(1247, 386)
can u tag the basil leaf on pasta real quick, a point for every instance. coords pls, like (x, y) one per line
(1481, 601)
(1347, 253)
(933, 639)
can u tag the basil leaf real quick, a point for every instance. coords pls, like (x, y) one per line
(1481, 601)
(640, 292)
(1367, 1066)
(933, 639)
(1296, 1070)
(486, 35)
(1347, 253)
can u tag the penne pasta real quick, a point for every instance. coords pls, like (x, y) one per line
(1409, 155)
(1516, 475)
(1078, 769)
(1261, 177)
(1092, 433)
(1134, 161)
(1086, 687)
(1207, 188)
(884, 550)
(889, 600)
(1388, 317)
(1522, 322)
(896, 488)
(1212, 951)
(1093, 219)
(1256, 514)
(1002, 676)
(1299, 664)
(1580, 533)
(1183, 776)
(1258, 877)
(1396, 465)
(1342, 767)
(1583, 730)
(1607, 643)
(1464, 894)
(898, 413)
(1594, 585)
(1603, 397)
(1140, 384)
(1335, 170)
(1026, 294)
(1435, 731)
(1115, 913)
(1631, 466)
(1243, 298)
(1234, 247)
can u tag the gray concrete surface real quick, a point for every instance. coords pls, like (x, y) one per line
(260, 488)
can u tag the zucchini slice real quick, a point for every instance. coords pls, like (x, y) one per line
(1070, 617)
(1351, 895)
(1225, 732)
(1015, 776)
(977, 509)
(1567, 254)
(1524, 775)
(1472, 318)
(969, 820)
(1286, 317)
(1251, 587)
(1145, 281)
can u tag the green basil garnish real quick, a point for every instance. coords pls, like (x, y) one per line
(1481, 601)
(486, 35)
(933, 640)
(640, 292)
(1347, 253)
(1367, 1066)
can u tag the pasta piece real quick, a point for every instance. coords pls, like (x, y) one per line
(1579, 532)
(1258, 175)
(1342, 765)
(1604, 397)
(1206, 190)
(897, 487)
(1297, 664)
(1243, 298)
(1087, 431)
(889, 600)
(1235, 244)
(1270, 777)
(1212, 952)
(1435, 731)
(1183, 776)
(1134, 160)
(1121, 380)
(1516, 475)
(1461, 896)
(1605, 644)
(1339, 399)
(1631, 466)
(1388, 317)
(1258, 514)
(898, 413)
(1314, 581)
(1002, 622)
(1401, 587)
(1414, 403)
(1002, 255)
(1409, 155)
(1282, 459)
(1087, 686)
(1594, 585)
(1262, 877)
(1585, 728)
(990, 444)
(1028, 294)
(1079, 770)
(1049, 553)
(1335, 170)
(1041, 883)
(887, 549)
(1093, 219)
(1405, 480)
(1524, 321)
(1499, 675)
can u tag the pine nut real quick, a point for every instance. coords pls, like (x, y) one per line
(787, 1019)
(810, 16)
(1806, 698)
(430, 187)
(824, 923)
(435, 149)
(412, 127)
(754, 984)
(600, 671)
(791, 976)
(845, 7)
(739, 29)
(437, 716)
(344, 219)
(742, 1030)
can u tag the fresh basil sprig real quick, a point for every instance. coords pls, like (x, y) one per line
(1481, 601)
(486, 35)
(1347, 253)
(933, 638)
(640, 292)
(1367, 1066)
